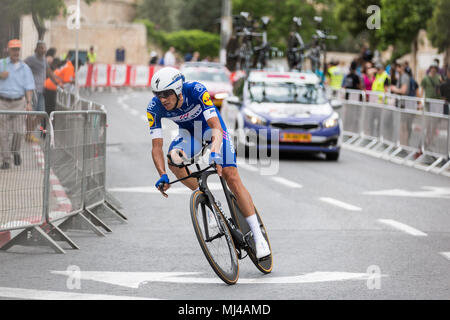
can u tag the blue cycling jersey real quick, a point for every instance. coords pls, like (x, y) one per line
(197, 106)
(192, 116)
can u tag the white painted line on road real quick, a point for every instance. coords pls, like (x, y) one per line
(17, 293)
(286, 182)
(403, 227)
(446, 255)
(135, 279)
(427, 192)
(340, 204)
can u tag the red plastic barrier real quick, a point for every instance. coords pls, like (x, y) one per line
(116, 75)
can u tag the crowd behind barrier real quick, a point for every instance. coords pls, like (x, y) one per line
(410, 130)
(60, 183)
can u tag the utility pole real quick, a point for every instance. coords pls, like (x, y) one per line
(225, 29)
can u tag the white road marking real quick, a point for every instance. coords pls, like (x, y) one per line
(446, 255)
(286, 182)
(173, 190)
(430, 192)
(403, 227)
(17, 293)
(135, 279)
(340, 204)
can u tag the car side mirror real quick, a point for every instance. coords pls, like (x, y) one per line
(234, 100)
(336, 104)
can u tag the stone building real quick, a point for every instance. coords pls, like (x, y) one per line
(105, 24)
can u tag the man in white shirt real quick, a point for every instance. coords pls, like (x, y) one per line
(169, 57)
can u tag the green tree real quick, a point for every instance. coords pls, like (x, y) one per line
(164, 14)
(401, 21)
(439, 27)
(201, 14)
(352, 14)
(39, 10)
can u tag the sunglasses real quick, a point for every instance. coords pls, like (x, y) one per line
(164, 94)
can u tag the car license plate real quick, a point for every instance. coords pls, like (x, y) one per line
(295, 137)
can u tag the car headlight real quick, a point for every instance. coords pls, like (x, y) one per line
(221, 95)
(254, 118)
(332, 121)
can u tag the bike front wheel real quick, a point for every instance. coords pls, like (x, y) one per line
(214, 238)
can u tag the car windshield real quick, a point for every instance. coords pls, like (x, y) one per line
(216, 76)
(286, 93)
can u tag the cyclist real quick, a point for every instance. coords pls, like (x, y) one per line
(189, 105)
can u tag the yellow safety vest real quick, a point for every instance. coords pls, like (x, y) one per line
(378, 83)
(92, 57)
(336, 77)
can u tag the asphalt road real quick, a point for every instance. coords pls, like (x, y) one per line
(359, 228)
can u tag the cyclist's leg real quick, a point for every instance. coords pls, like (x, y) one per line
(188, 146)
(231, 176)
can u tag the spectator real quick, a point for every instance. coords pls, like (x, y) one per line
(430, 83)
(50, 55)
(120, 54)
(393, 73)
(196, 56)
(381, 81)
(335, 75)
(50, 87)
(188, 56)
(351, 80)
(153, 58)
(403, 82)
(41, 70)
(92, 56)
(445, 91)
(169, 57)
(16, 91)
(440, 71)
(368, 75)
(413, 85)
(67, 73)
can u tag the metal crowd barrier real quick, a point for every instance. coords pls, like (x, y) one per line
(60, 183)
(410, 130)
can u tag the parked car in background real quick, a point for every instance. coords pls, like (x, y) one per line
(214, 76)
(290, 106)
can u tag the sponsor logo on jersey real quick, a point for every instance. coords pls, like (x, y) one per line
(190, 115)
(151, 119)
(199, 87)
(206, 98)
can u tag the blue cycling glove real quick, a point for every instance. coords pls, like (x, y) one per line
(215, 157)
(164, 179)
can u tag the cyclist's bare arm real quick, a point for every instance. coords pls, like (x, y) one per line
(217, 138)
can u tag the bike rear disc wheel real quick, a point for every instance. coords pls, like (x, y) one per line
(220, 252)
(266, 265)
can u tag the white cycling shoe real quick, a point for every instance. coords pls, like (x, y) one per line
(262, 248)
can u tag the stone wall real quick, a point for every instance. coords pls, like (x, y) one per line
(105, 24)
(105, 38)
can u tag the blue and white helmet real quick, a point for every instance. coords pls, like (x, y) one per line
(167, 78)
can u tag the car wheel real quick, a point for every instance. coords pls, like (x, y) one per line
(332, 156)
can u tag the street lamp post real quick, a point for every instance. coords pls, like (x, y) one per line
(225, 29)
